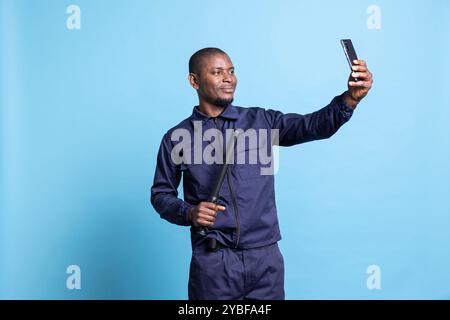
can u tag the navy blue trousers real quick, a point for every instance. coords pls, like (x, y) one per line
(236, 274)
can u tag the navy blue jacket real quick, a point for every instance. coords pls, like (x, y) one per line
(250, 219)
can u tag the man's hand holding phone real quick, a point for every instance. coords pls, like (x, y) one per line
(360, 80)
(357, 90)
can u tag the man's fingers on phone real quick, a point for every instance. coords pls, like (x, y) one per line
(364, 84)
(361, 75)
(359, 68)
(359, 62)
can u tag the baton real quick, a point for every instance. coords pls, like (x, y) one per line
(214, 195)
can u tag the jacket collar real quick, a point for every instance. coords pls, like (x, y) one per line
(230, 112)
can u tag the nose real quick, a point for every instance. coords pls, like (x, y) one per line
(227, 78)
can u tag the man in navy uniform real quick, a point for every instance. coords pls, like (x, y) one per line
(247, 264)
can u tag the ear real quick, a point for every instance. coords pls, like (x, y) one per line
(193, 80)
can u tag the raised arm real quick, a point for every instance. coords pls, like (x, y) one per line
(297, 128)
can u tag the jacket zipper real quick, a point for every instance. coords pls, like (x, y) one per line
(233, 200)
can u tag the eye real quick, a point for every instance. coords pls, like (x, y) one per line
(232, 71)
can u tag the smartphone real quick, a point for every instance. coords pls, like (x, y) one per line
(350, 53)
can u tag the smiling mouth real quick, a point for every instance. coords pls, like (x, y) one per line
(227, 89)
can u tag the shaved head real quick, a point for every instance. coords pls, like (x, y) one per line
(211, 74)
(198, 57)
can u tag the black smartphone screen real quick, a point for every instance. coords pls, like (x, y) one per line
(350, 52)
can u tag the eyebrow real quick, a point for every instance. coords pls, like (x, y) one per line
(220, 68)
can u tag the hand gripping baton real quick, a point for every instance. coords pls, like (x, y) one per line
(214, 195)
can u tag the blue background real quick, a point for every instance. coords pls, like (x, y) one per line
(83, 112)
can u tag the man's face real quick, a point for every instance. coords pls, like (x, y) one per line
(216, 80)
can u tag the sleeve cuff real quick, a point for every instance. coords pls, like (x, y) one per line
(343, 106)
(185, 212)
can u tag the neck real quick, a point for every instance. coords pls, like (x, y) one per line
(210, 109)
